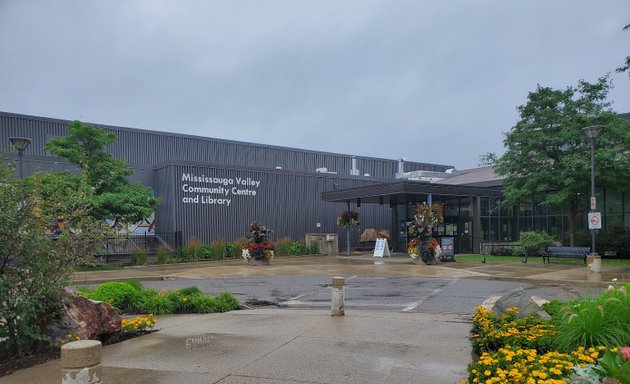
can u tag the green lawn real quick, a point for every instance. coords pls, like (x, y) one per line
(518, 259)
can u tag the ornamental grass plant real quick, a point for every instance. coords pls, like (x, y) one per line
(604, 320)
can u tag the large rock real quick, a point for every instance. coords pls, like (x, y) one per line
(520, 299)
(87, 319)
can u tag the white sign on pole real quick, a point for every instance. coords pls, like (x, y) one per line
(381, 248)
(593, 202)
(594, 220)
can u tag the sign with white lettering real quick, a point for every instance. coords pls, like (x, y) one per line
(381, 248)
(594, 220)
(202, 189)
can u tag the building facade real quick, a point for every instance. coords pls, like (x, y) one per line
(212, 188)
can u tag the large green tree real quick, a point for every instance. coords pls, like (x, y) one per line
(112, 197)
(548, 156)
(35, 266)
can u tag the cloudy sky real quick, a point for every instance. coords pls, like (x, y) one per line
(434, 81)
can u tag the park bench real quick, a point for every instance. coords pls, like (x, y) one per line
(572, 252)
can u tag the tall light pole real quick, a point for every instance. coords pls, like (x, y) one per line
(20, 143)
(592, 132)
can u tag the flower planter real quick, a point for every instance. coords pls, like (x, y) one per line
(254, 262)
(418, 261)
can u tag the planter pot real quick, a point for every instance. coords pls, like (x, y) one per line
(252, 261)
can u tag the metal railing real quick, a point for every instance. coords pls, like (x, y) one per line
(120, 248)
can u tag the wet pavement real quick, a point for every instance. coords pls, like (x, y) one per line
(534, 272)
(286, 347)
(290, 346)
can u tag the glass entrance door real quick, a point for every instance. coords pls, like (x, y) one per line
(465, 225)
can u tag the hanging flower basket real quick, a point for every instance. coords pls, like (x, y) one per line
(348, 219)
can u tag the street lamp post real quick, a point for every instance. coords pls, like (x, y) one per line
(592, 132)
(20, 143)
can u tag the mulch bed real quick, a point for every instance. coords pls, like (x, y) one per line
(11, 365)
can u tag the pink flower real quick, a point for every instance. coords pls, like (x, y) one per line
(625, 353)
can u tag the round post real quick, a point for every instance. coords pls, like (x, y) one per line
(593, 251)
(81, 362)
(348, 240)
(337, 305)
(593, 260)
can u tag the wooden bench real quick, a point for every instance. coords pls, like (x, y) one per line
(572, 252)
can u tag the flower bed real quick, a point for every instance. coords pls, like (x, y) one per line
(518, 365)
(494, 331)
(532, 350)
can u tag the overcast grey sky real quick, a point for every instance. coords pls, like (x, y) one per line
(433, 81)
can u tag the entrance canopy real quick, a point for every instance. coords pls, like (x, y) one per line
(406, 191)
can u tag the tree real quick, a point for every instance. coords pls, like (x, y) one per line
(626, 66)
(113, 197)
(34, 265)
(548, 156)
(488, 159)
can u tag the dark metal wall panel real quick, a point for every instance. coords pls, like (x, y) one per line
(288, 203)
(288, 199)
(148, 148)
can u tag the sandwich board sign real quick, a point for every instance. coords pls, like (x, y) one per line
(381, 248)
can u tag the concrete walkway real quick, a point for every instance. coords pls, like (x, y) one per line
(286, 347)
(283, 346)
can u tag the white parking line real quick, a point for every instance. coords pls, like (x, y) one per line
(434, 292)
(293, 300)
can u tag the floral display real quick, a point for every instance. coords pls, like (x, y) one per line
(422, 244)
(493, 331)
(348, 219)
(258, 247)
(512, 365)
(616, 363)
(424, 249)
(139, 324)
(521, 350)
(68, 338)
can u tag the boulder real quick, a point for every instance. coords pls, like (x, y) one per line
(87, 319)
(520, 299)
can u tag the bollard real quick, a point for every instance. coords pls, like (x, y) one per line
(81, 362)
(594, 263)
(337, 299)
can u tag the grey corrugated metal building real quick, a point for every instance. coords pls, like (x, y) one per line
(214, 188)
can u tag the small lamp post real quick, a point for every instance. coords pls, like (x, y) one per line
(20, 143)
(592, 132)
